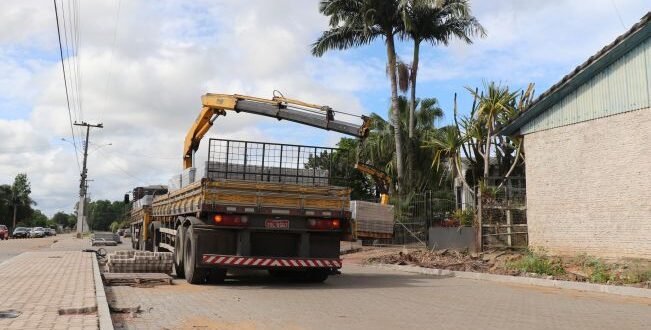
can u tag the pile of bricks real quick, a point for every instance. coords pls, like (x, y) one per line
(140, 262)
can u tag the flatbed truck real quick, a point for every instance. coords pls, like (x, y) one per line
(278, 207)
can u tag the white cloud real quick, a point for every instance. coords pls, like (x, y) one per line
(147, 93)
(168, 53)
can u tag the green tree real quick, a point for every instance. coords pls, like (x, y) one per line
(5, 205)
(378, 147)
(359, 22)
(38, 219)
(61, 219)
(493, 103)
(341, 164)
(72, 220)
(446, 144)
(103, 212)
(20, 191)
(493, 107)
(435, 22)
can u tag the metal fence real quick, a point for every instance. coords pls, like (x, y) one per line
(415, 214)
(501, 213)
(275, 162)
(503, 218)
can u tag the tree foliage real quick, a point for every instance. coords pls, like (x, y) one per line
(103, 212)
(358, 22)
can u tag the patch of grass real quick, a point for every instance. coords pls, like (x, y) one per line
(537, 262)
(600, 272)
(637, 273)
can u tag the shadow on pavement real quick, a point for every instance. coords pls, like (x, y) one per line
(354, 280)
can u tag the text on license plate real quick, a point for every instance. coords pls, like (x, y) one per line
(276, 224)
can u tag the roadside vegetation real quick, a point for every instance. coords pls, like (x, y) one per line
(17, 209)
(528, 263)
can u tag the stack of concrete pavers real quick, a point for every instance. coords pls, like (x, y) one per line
(140, 262)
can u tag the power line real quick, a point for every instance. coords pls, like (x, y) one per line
(621, 21)
(122, 169)
(110, 67)
(71, 57)
(65, 83)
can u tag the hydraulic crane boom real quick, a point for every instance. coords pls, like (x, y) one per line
(380, 177)
(215, 105)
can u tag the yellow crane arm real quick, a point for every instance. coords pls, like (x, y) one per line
(379, 176)
(279, 107)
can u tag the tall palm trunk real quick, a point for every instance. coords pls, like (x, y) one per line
(395, 114)
(412, 99)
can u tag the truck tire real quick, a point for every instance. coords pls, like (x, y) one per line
(193, 274)
(178, 251)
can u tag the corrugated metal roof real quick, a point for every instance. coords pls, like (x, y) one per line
(637, 34)
(622, 86)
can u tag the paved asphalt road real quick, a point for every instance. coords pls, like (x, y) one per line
(373, 298)
(360, 298)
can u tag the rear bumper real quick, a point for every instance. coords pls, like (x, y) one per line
(266, 262)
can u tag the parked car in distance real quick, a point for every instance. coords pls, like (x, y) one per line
(37, 232)
(127, 232)
(4, 232)
(120, 232)
(20, 232)
(107, 239)
(50, 232)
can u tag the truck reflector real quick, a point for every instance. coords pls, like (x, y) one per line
(214, 259)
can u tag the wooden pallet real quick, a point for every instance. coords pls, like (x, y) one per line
(136, 279)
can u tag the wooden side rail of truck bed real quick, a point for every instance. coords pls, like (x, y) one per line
(253, 197)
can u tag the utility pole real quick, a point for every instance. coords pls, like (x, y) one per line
(82, 222)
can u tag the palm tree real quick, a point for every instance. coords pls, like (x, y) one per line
(435, 22)
(492, 104)
(446, 144)
(358, 22)
(379, 145)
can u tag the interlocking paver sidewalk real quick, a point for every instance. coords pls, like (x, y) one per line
(40, 284)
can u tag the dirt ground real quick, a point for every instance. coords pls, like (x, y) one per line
(580, 268)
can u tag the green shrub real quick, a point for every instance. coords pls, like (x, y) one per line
(465, 218)
(537, 262)
(601, 273)
(638, 273)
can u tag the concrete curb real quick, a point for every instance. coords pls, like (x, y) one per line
(103, 312)
(590, 287)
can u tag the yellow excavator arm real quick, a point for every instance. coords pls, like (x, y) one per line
(279, 107)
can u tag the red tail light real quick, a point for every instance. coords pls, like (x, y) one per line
(231, 220)
(324, 224)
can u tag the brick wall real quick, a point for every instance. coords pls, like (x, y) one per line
(589, 187)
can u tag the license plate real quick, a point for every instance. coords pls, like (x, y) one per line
(277, 224)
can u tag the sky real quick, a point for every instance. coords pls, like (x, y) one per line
(143, 66)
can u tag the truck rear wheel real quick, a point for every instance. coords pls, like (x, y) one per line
(193, 274)
(178, 251)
